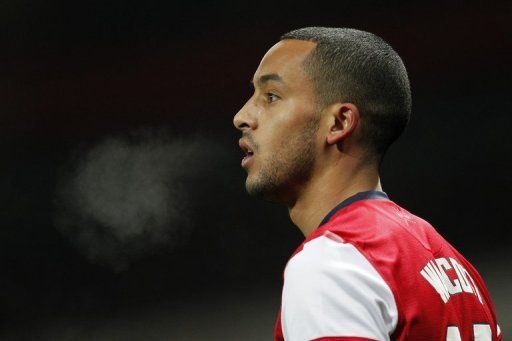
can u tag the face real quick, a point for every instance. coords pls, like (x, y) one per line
(279, 124)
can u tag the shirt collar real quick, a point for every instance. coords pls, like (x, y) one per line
(353, 199)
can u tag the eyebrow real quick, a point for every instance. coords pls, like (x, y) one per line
(267, 78)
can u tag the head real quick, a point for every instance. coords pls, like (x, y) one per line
(321, 94)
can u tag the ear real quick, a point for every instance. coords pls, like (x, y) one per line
(344, 118)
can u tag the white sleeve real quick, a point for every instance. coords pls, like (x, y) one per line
(331, 290)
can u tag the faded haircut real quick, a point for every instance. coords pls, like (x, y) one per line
(349, 65)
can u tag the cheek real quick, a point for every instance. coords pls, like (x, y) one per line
(275, 141)
(281, 124)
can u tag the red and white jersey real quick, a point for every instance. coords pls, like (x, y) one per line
(374, 271)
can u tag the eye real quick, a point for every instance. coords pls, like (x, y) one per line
(271, 97)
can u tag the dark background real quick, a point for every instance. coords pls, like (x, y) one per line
(123, 212)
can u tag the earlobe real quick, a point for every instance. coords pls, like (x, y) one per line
(344, 120)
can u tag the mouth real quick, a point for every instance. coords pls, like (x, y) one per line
(247, 158)
(249, 153)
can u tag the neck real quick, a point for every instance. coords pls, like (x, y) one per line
(324, 192)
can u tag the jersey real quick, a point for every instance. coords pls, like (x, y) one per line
(374, 271)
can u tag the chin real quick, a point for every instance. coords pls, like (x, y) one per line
(254, 188)
(263, 190)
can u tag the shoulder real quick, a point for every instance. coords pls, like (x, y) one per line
(395, 242)
(330, 281)
(382, 227)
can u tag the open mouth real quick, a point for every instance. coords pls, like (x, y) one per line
(247, 158)
(248, 152)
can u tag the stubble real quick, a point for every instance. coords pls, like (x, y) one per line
(289, 166)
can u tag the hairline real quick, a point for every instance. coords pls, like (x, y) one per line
(308, 65)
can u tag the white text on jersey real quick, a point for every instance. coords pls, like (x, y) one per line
(435, 272)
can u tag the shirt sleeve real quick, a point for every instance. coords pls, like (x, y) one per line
(332, 292)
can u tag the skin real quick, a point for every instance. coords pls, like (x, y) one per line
(305, 157)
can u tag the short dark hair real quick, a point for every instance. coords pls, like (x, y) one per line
(359, 67)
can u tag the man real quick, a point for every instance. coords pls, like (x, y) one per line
(327, 104)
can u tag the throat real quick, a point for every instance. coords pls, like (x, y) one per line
(315, 203)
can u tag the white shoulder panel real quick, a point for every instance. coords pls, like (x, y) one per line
(331, 289)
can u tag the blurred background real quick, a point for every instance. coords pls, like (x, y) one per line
(123, 213)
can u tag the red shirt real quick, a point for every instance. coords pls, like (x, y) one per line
(374, 271)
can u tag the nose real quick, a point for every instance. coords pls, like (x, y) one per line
(245, 118)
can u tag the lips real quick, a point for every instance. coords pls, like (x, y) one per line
(248, 150)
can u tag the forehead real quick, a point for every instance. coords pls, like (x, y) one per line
(285, 59)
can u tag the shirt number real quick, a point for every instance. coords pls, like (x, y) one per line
(481, 332)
